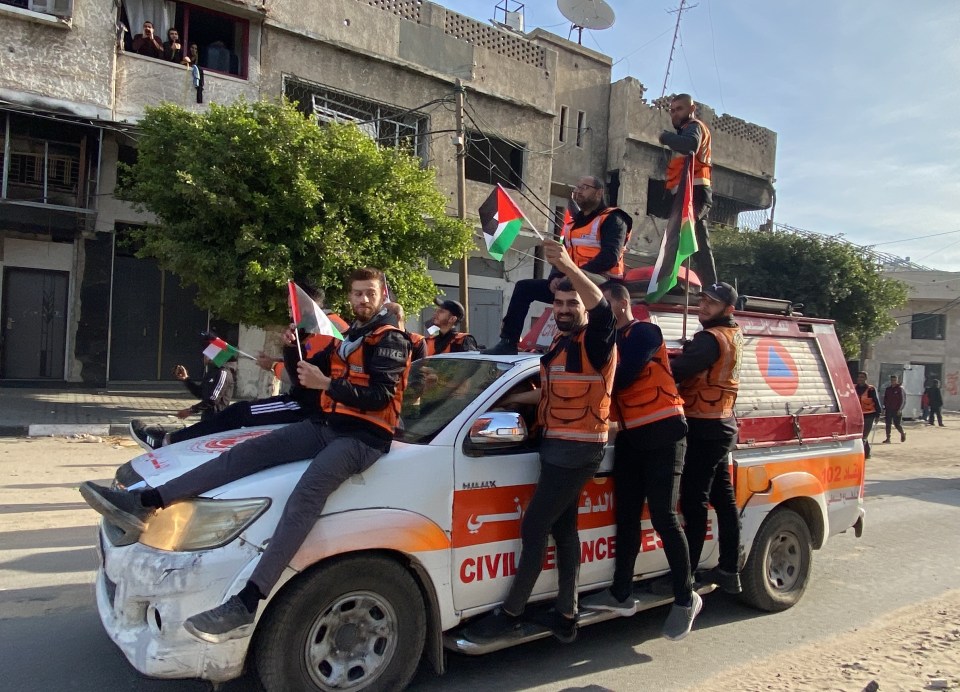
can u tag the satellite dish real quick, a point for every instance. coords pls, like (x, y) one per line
(586, 14)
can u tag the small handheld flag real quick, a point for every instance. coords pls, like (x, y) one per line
(307, 315)
(221, 353)
(500, 219)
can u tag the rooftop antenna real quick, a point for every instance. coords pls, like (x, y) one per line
(676, 32)
(586, 14)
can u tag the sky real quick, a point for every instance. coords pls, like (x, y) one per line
(864, 96)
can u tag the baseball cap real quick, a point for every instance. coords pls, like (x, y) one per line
(451, 306)
(721, 292)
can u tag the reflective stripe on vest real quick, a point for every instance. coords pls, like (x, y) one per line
(457, 340)
(354, 369)
(866, 402)
(701, 162)
(652, 396)
(575, 403)
(583, 243)
(712, 393)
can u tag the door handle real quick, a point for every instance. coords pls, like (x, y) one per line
(9, 323)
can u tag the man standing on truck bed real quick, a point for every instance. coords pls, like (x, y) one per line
(576, 378)
(648, 461)
(870, 405)
(595, 239)
(692, 138)
(708, 373)
(360, 396)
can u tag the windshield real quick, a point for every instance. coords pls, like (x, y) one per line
(439, 389)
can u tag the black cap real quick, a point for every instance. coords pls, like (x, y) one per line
(721, 292)
(451, 306)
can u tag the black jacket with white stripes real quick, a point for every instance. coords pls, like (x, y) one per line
(215, 390)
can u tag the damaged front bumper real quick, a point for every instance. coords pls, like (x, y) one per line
(144, 595)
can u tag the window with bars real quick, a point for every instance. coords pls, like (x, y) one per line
(928, 326)
(388, 126)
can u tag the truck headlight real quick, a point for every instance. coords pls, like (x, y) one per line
(201, 524)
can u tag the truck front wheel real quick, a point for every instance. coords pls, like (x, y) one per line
(778, 569)
(357, 624)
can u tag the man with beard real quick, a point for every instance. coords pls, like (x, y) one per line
(360, 398)
(708, 375)
(449, 339)
(576, 378)
(594, 238)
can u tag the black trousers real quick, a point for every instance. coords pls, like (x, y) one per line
(276, 410)
(335, 459)
(935, 411)
(894, 419)
(525, 293)
(703, 262)
(869, 420)
(641, 474)
(706, 479)
(553, 511)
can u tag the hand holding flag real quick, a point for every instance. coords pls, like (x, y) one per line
(307, 315)
(501, 220)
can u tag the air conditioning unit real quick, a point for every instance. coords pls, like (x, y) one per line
(59, 8)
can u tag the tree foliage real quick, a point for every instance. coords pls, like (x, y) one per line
(832, 279)
(247, 196)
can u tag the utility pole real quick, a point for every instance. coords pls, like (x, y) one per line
(673, 46)
(461, 142)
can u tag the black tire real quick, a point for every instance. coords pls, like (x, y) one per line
(778, 569)
(371, 606)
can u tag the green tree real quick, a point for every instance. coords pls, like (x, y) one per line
(833, 279)
(249, 195)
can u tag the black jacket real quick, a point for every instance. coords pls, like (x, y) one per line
(215, 390)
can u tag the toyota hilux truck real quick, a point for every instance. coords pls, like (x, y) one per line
(411, 550)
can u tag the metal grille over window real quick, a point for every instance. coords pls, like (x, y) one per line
(387, 125)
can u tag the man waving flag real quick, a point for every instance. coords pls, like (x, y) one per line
(679, 239)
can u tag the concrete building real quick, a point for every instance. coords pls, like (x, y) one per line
(541, 112)
(927, 339)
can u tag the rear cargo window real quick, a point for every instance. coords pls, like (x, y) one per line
(781, 376)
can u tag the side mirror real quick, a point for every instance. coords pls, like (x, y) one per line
(497, 427)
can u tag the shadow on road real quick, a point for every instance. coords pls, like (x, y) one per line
(42, 507)
(81, 560)
(940, 490)
(67, 537)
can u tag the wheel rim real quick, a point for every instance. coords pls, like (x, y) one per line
(352, 641)
(784, 561)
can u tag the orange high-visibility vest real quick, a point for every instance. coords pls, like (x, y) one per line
(575, 403)
(354, 369)
(866, 402)
(583, 242)
(652, 396)
(451, 347)
(701, 162)
(712, 393)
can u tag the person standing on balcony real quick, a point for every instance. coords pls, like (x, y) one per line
(147, 44)
(172, 48)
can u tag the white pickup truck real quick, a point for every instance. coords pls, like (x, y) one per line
(428, 538)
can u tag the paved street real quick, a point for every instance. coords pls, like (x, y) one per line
(50, 637)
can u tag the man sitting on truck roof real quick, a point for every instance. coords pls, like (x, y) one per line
(595, 239)
(576, 378)
(360, 394)
(708, 374)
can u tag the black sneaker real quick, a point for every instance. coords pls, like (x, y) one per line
(563, 628)
(903, 437)
(230, 620)
(886, 441)
(504, 347)
(495, 625)
(122, 507)
(729, 582)
(149, 438)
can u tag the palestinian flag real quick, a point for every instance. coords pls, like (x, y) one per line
(307, 315)
(500, 219)
(220, 352)
(679, 239)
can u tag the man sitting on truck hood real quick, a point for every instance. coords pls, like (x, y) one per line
(360, 395)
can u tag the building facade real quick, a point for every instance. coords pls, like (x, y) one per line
(541, 112)
(925, 344)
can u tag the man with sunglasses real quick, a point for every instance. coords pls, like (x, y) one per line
(594, 238)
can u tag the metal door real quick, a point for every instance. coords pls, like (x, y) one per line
(34, 323)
